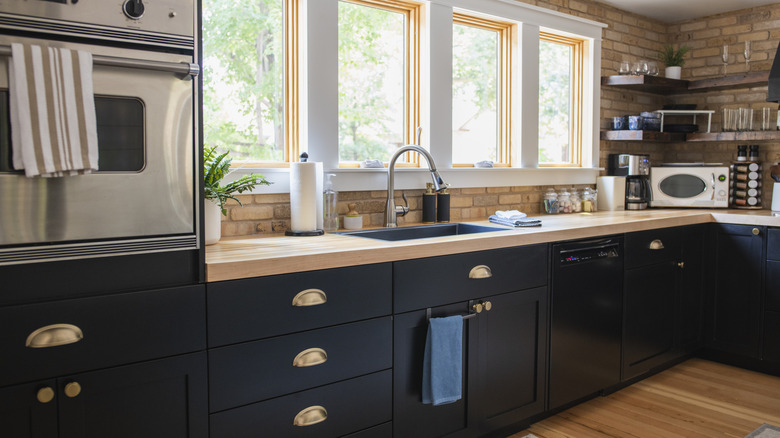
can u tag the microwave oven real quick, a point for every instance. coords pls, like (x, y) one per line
(704, 186)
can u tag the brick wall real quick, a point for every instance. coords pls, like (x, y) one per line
(628, 37)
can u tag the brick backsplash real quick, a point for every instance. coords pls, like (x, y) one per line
(629, 37)
(270, 214)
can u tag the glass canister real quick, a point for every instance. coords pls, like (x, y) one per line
(576, 201)
(564, 202)
(550, 202)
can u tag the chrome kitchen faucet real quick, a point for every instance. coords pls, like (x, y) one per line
(392, 211)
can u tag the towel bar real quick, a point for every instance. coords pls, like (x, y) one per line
(466, 316)
(189, 70)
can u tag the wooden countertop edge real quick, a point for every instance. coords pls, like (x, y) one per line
(247, 257)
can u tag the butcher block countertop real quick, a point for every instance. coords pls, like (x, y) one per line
(251, 256)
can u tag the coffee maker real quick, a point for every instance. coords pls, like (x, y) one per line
(636, 169)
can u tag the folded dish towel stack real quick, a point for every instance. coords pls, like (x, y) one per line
(443, 361)
(514, 218)
(53, 123)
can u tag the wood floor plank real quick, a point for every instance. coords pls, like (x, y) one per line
(695, 399)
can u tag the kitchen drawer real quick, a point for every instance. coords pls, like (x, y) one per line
(773, 244)
(254, 371)
(351, 406)
(644, 248)
(773, 286)
(117, 329)
(246, 310)
(436, 281)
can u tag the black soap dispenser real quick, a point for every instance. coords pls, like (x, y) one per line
(443, 206)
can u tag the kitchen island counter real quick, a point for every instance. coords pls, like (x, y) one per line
(253, 256)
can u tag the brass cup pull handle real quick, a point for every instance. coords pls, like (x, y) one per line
(54, 335)
(310, 357)
(311, 415)
(72, 389)
(45, 394)
(656, 244)
(310, 297)
(480, 271)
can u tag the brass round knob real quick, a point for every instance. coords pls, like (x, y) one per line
(45, 394)
(477, 307)
(72, 389)
(681, 265)
(756, 231)
(488, 305)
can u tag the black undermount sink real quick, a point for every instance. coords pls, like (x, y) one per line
(420, 232)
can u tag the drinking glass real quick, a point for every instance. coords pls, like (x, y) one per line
(766, 119)
(625, 68)
(725, 57)
(748, 52)
(652, 68)
(745, 119)
(639, 68)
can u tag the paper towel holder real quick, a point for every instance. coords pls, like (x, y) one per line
(304, 158)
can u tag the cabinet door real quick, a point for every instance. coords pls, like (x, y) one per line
(412, 418)
(690, 320)
(736, 301)
(512, 353)
(648, 317)
(26, 414)
(159, 399)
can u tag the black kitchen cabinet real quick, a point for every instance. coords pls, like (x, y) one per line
(692, 288)
(511, 358)
(737, 258)
(771, 339)
(157, 399)
(504, 357)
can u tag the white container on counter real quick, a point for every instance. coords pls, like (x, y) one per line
(776, 197)
(612, 193)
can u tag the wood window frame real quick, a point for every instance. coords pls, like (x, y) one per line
(505, 33)
(412, 13)
(578, 50)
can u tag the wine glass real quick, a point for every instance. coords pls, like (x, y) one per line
(725, 57)
(748, 52)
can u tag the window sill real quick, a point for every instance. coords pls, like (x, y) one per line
(410, 179)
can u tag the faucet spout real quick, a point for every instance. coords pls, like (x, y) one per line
(392, 211)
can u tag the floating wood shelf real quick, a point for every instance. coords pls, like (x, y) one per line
(659, 85)
(735, 136)
(656, 136)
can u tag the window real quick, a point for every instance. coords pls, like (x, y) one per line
(378, 78)
(560, 100)
(481, 90)
(249, 78)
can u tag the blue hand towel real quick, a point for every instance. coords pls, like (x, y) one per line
(443, 361)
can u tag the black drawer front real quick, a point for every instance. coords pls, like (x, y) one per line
(255, 371)
(654, 246)
(442, 280)
(246, 310)
(381, 431)
(117, 329)
(351, 406)
(773, 244)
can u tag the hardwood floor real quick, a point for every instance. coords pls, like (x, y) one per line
(694, 399)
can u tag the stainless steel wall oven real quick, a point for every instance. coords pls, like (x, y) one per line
(144, 197)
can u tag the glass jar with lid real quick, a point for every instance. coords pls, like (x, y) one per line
(564, 202)
(550, 202)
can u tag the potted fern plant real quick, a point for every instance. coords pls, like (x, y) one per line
(673, 59)
(215, 167)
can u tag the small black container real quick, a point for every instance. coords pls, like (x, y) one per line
(443, 206)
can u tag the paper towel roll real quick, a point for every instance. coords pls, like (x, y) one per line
(305, 196)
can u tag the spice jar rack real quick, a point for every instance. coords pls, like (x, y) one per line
(745, 185)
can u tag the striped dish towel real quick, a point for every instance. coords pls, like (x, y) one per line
(53, 126)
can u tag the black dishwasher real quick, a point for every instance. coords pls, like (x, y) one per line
(585, 320)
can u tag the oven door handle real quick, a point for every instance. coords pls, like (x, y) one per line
(186, 70)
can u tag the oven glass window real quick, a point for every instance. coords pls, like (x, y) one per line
(682, 186)
(120, 127)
